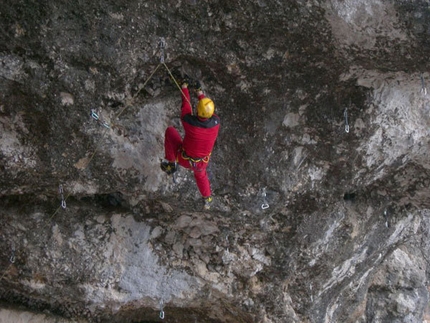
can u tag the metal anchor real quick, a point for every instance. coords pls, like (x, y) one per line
(265, 205)
(162, 45)
(423, 85)
(345, 114)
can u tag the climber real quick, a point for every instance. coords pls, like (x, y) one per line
(195, 149)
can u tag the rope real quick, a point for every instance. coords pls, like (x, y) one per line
(11, 261)
(128, 104)
(125, 107)
(134, 96)
(177, 84)
(132, 99)
(5, 272)
(117, 116)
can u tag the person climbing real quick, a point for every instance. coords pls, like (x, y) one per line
(194, 151)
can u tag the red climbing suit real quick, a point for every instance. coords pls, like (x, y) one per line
(194, 151)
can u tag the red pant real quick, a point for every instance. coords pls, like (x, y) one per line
(172, 150)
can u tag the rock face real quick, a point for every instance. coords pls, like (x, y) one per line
(320, 172)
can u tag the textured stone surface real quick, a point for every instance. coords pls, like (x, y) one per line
(311, 223)
(20, 316)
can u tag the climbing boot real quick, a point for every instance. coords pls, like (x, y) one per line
(207, 203)
(168, 167)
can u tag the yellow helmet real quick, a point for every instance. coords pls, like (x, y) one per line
(205, 108)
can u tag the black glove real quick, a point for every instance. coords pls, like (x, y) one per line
(185, 80)
(195, 85)
(177, 76)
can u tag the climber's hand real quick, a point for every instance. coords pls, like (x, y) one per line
(195, 85)
(184, 81)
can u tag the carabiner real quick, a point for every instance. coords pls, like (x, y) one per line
(264, 206)
(94, 114)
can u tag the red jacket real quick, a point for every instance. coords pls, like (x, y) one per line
(200, 134)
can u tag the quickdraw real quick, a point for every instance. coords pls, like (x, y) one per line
(161, 310)
(265, 205)
(345, 114)
(96, 117)
(63, 201)
(162, 45)
(423, 85)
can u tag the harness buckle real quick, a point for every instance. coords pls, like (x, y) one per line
(192, 160)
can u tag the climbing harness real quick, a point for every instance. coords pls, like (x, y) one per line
(423, 85)
(61, 192)
(345, 114)
(193, 160)
(265, 205)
